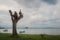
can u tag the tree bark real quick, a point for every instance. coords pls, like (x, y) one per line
(14, 29)
(15, 18)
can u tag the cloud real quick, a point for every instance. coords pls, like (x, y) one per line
(50, 1)
(29, 3)
(43, 13)
(9, 4)
(37, 13)
(4, 14)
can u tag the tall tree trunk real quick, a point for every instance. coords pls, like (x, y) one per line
(15, 18)
(14, 28)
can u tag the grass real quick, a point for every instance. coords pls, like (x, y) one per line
(6, 36)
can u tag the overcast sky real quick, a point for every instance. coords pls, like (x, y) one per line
(37, 13)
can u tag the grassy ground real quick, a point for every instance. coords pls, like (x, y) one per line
(5, 36)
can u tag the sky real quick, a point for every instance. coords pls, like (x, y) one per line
(37, 13)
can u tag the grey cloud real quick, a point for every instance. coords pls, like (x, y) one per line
(29, 3)
(50, 1)
(46, 23)
(4, 16)
(3, 12)
(34, 20)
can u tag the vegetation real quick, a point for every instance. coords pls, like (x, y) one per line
(15, 18)
(5, 36)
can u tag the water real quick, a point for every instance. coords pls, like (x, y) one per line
(34, 31)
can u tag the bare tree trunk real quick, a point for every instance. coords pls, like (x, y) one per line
(15, 18)
(14, 28)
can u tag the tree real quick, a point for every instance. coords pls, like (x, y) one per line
(15, 18)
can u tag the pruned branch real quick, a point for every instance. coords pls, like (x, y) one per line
(11, 14)
(20, 15)
(15, 17)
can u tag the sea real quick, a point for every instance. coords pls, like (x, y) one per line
(33, 31)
